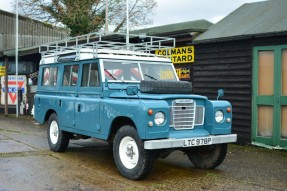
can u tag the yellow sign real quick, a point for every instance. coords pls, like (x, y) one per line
(178, 55)
(183, 73)
(2, 70)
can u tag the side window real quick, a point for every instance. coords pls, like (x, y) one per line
(90, 75)
(49, 77)
(70, 76)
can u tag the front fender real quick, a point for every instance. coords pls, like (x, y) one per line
(211, 125)
(137, 111)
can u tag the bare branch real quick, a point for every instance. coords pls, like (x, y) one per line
(85, 16)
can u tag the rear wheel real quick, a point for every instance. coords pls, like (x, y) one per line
(207, 157)
(131, 159)
(58, 139)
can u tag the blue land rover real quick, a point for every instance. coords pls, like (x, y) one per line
(92, 86)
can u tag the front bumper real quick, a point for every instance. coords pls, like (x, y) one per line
(177, 143)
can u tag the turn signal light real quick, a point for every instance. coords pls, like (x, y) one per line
(228, 110)
(150, 111)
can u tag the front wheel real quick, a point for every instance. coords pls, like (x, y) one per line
(207, 157)
(58, 139)
(131, 159)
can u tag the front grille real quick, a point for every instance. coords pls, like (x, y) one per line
(183, 113)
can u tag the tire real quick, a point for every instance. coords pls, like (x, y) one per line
(58, 140)
(165, 87)
(207, 157)
(131, 159)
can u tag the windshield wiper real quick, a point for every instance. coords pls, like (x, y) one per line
(153, 78)
(111, 75)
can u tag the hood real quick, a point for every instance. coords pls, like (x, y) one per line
(123, 94)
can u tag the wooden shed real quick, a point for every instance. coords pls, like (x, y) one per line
(246, 55)
(31, 34)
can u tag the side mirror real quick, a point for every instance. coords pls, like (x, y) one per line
(132, 90)
(220, 93)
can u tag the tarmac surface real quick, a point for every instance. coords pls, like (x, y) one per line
(26, 163)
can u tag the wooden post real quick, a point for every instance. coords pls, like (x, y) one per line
(6, 86)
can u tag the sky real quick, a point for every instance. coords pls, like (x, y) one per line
(176, 11)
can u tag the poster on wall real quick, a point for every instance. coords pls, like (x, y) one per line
(183, 73)
(178, 55)
(12, 88)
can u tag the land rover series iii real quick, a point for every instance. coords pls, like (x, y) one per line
(94, 86)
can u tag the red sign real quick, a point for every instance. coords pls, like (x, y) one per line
(12, 95)
(12, 89)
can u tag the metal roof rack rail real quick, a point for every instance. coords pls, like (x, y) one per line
(112, 43)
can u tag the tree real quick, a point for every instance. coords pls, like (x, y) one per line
(85, 16)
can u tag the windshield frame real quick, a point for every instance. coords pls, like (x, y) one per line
(138, 62)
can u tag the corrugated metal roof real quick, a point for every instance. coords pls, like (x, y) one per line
(251, 19)
(191, 26)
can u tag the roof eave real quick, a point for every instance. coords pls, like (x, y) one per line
(241, 37)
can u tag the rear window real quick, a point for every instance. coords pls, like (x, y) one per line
(49, 77)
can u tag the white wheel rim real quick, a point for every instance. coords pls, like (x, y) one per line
(129, 152)
(54, 132)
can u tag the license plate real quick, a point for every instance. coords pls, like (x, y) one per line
(197, 142)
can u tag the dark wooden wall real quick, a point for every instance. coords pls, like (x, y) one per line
(228, 65)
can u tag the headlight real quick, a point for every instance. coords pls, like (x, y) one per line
(219, 116)
(159, 118)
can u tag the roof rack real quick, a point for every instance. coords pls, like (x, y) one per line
(112, 43)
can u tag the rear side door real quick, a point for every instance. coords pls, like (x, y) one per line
(88, 100)
(68, 93)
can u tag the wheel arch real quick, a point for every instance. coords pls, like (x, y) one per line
(117, 123)
(48, 114)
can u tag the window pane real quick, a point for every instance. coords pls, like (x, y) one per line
(284, 122)
(265, 121)
(66, 77)
(85, 75)
(157, 72)
(122, 71)
(49, 77)
(284, 72)
(70, 76)
(75, 74)
(266, 73)
(90, 75)
(94, 75)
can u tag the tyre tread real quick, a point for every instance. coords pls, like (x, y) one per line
(207, 163)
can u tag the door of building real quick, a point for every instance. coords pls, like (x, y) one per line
(269, 120)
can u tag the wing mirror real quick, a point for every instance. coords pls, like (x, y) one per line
(220, 93)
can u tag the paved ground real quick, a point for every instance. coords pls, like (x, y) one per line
(26, 163)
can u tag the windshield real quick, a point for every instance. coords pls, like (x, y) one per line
(137, 71)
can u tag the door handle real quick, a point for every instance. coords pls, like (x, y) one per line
(79, 107)
(39, 102)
